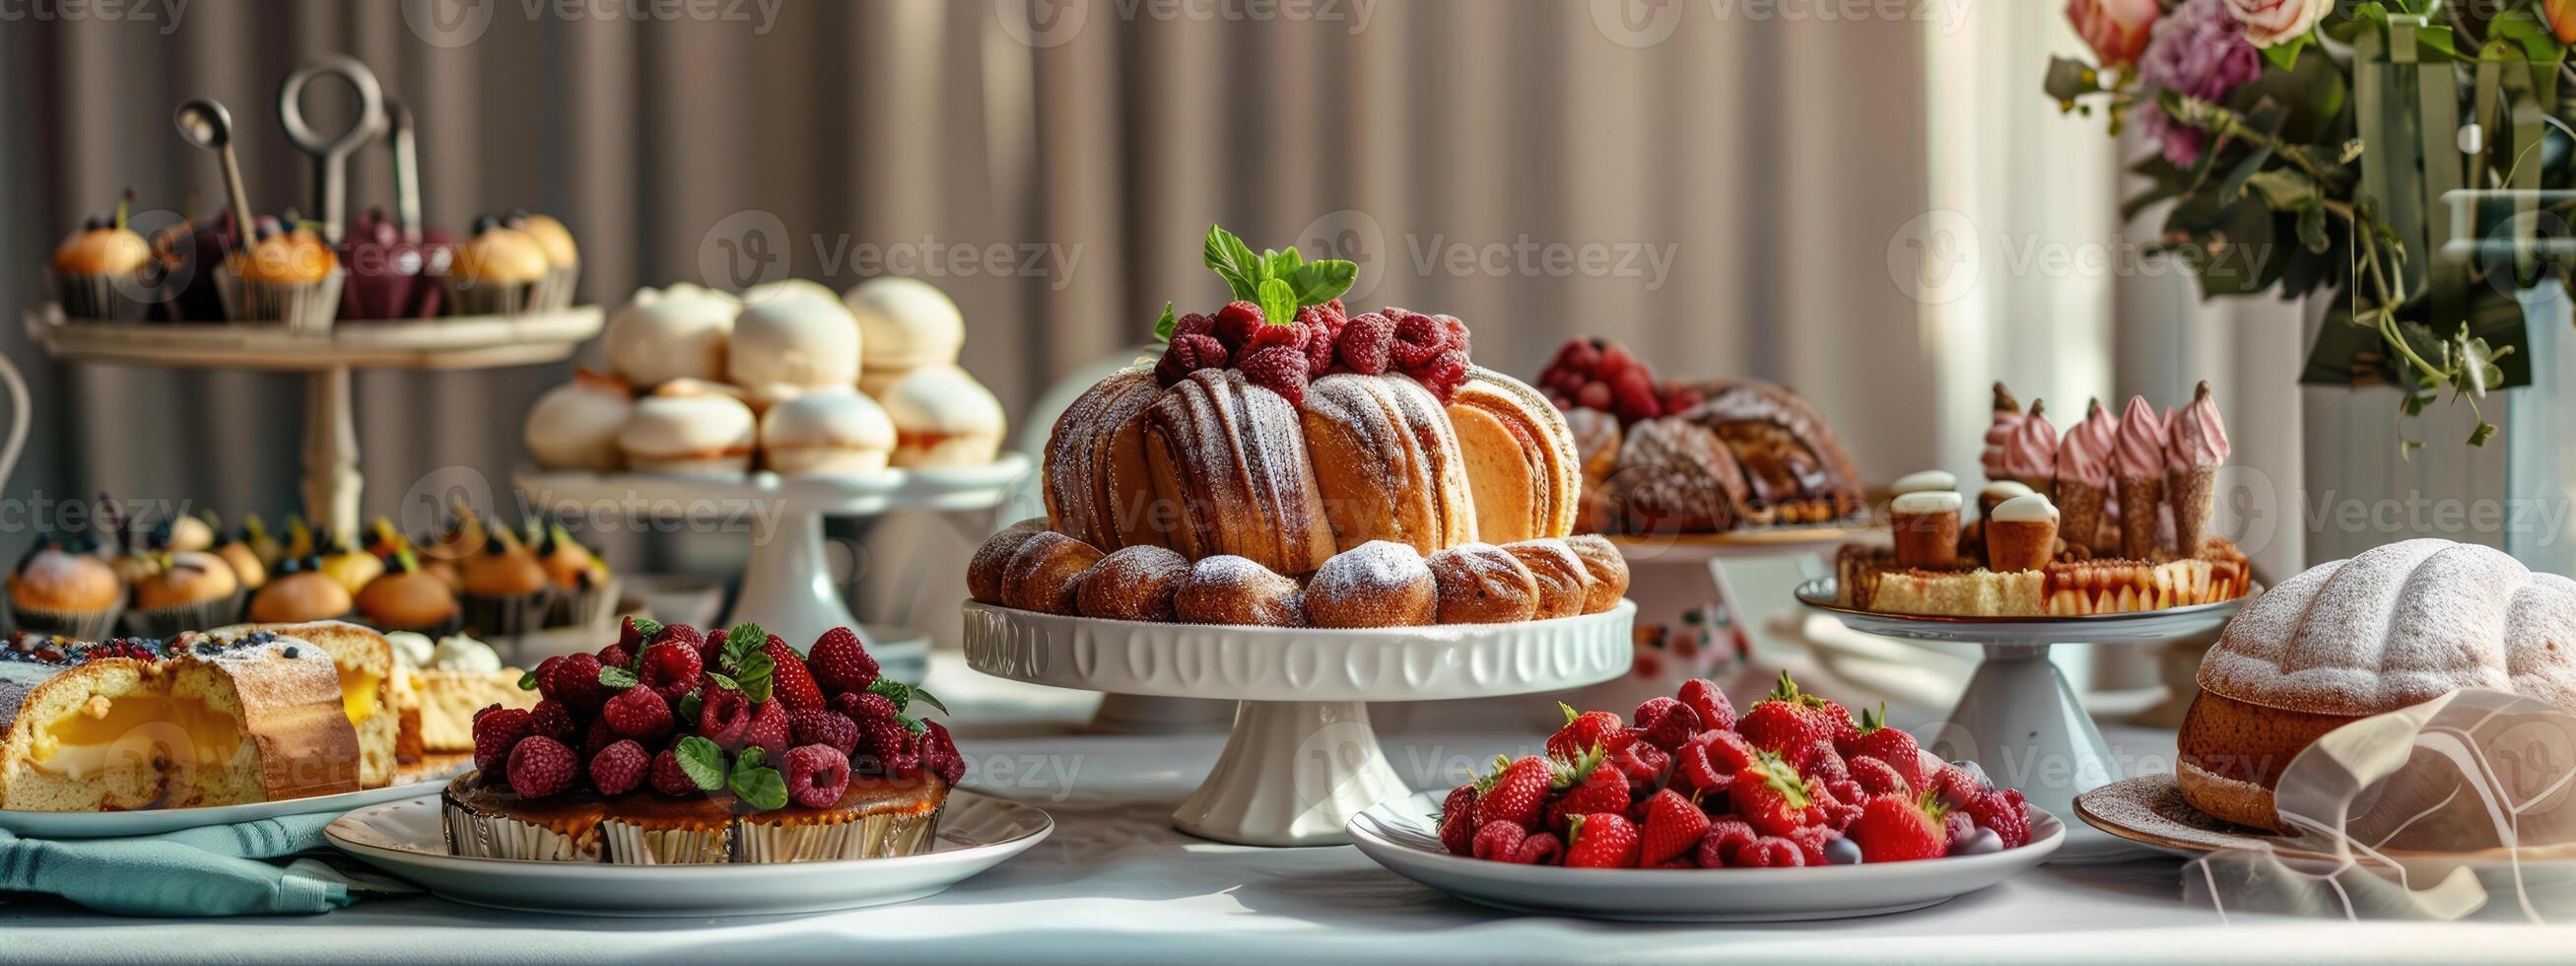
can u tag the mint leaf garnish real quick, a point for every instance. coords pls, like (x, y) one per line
(895, 691)
(689, 707)
(702, 761)
(927, 698)
(911, 724)
(617, 678)
(1278, 302)
(1164, 326)
(1279, 264)
(749, 759)
(724, 681)
(528, 681)
(753, 676)
(647, 628)
(1319, 282)
(762, 787)
(1233, 261)
(743, 639)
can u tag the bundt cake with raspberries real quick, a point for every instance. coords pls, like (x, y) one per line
(2396, 626)
(1276, 434)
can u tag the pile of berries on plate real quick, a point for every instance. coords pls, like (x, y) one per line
(1686, 783)
(674, 712)
(1596, 373)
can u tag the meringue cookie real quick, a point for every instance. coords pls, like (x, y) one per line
(690, 428)
(574, 426)
(906, 324)
(838, 431)
(673, 333)
(943, 417)
(791, 336)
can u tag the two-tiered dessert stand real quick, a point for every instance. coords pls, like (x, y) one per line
(1302, 758)
(2019, 717)
(331, 481)
(787, 582)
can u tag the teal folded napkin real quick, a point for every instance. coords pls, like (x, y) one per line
(217, 870)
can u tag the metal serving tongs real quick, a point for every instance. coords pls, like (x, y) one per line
(331, 155)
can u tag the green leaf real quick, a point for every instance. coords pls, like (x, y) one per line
(724, 681)
(2312, 228)
(2068, 79)
(1279, 264)
(2484, 432)
(749, 759)
(2285, 55)
(1278, 302)
(895, 691)
(2526, 30)
(1322, 281)
(647, 628)
(754, 676)
(911, 724)
(761, 787)
(1163, 326)
(930, 699)
(1233, 261)
(528, 681)
(742, 640)
(2284, 189)
(689, 706)
(617, 678)
(702, 761)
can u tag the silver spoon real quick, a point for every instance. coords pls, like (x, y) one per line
(205, 123)
(331, 155)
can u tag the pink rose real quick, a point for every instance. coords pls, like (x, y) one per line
(2269, 22)
(2115, 29)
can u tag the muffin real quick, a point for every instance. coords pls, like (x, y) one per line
(187, 590)
(497, 271)
(236, 550)
(344, 562)
(505, 587)
(489, 821)
(943, 417)
(579, 580)
(407, 598)
(678, 332)
(905, 324)
(298, 592)
(563, 260)
(190, 533)
(834, 431)
(792, 337)
(64, 588)
(690, 428)
(103, 271)
(288, 276)
(574, 426)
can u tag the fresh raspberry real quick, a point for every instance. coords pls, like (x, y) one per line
(1602, 840)
(619, 768)
(638, 713)
(1645, 766)
(789, 682)
(1842, 802)
(599, 736)
(1770, 852)
(1419, 339)
(816, 775)
(1506, 842)
(885, 747)
(1194, 323)
(1718, 845)
(770, 729)
(1289, 333)
(668, 779)
(724, 715)
(840, 663)
(684, 635)
(818, 726)
(1458, 338)
(671, 669)
(1280, 369)
(1710, 762)
(1584, 731)
(495, 733)
(1366, 343)
(1674, 827)
(551, 719)
(1457, 820)
(1666, 723)
(2004, 811)
(615, 655)
(1955, 828)
(1875, 778)
(541, 766)
(865, 706)
(1323, 325)
(1704, 697)
(939, 754)
(1188, 354)
(1633, 397)
(1680, 398)
(1236, 322)
(576, 683)
(1443, 375)
(1958, 785)
(1615, 360)
(1594, 395)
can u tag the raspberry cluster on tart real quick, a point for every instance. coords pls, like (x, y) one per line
(1685, 783)
(1285, 462)
(673, 746)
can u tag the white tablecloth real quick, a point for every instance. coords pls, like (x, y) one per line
(1116, 884)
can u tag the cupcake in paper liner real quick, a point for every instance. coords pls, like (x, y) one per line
(492, 822)
(408, 598)
(873, 818)
(64, 588)
(498, 271)
(583, 592)
(300, 591)
(102, 271)
(554, 289)
(289, 276)
(648, 829)
(506, 592)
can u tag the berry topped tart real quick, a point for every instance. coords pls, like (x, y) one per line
(671, 747)
(1686, 783)
(1288, 463)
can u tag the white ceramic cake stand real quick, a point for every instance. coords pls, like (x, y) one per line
(1302, 758)
(787, 584)
(2019, 718)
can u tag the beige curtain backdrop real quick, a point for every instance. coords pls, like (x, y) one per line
(1716, 185)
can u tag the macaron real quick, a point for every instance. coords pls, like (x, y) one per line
(791, 337)
(689, 428)
(671, 333)
(906, 324)
(836, 431)
(574, 426)
(943, 417)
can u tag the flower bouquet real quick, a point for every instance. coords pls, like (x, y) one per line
(2406, 157)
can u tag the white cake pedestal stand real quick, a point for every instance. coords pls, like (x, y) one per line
(331, 481)
(2019, 718)
(1302, 758)
(787, 584)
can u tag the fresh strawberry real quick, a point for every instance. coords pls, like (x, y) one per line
(1506, 842)
(1710, 762)
(1666, 722)
(1584, 731)
(1194, 323)
(1718, 845)
(789, 683)
(1457, 817)
(2004, 811)
(1874, 739)
(1517, 791)
(1601, 840)
(1674, 826)
(1710, 703)
(1770, 852)
(770, 729)
(1646, 766)
(629, 636)
(1596, 789)
(1771, 796)
(1633, 397)
(1789, 722)
(841, 664)
(1893, 828)
(1877, 778)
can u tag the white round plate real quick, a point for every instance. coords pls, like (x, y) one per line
(1402, 836)
(1299, 663)
(2142, 627)
(976, 832)
(154, 821)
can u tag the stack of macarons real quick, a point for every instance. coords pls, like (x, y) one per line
(786, 377)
